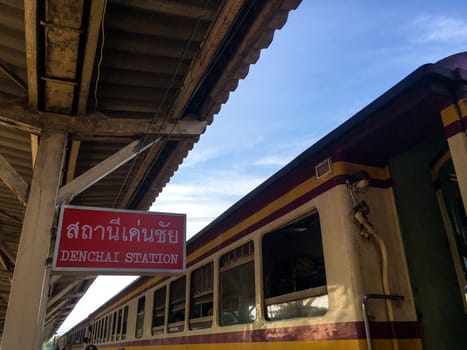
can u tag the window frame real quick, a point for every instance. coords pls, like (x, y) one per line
(140, 316)
(177, 307)
(203, 295)
(159, 328)
(301, 294)
(240, 257)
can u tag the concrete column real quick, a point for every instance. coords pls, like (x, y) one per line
(28, 296)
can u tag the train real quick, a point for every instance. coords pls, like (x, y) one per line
(358, 243)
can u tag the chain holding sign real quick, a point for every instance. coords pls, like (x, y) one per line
(116, 241)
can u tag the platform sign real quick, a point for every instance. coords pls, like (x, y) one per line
(114, 241)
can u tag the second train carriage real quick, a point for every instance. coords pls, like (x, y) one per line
(358, 243)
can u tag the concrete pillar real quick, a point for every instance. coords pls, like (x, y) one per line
(28, 296)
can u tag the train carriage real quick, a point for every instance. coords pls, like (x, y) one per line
(358, 243)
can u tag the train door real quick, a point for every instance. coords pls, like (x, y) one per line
(430, 258)
(455, 222)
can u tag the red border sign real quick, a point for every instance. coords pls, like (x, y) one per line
(113, 241)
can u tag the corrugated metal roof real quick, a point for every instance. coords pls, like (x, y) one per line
(108, 73)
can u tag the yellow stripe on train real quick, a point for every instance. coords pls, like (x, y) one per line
(353, 344)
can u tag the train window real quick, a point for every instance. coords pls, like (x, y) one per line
(140, 317)
(201, 303)
(237, 300)
(94, 332)
(99, 333)
(119, 324)
(114, 326)
(95, 336)
(293, 271)
(109, 326)
(125, 322)
(91, 332)
(158, 311)
(177, 305)
(104, 332)
(104, 325)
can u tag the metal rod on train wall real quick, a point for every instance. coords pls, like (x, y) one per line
(366, 321)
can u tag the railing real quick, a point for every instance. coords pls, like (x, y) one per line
(365, 299)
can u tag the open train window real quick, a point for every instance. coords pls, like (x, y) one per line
(293, 271)
(177, 305)
(140, 317)
(237, 286)
(158, 311)
(201, 302)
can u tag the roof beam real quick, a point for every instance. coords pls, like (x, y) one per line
(214, 40)
(62, 293)
(165, 172)
(170, 8)
(98, 126)
(251, 45)
(30, 25)
(141, 172)
(17, 116)
(57, 308)
(73, 160)
(13, 180)
(13, 77)
(67, 192)
(8, 253)
(34, 148)
(194, 78)
(3, 263)
(95, 124)
(95, 19)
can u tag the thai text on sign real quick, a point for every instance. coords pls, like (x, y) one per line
(119, 241)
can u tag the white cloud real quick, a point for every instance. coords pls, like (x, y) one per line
(272, 160)
(205, 198)
(280, 154)
(431, 28)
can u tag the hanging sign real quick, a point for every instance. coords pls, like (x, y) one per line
(114, 241)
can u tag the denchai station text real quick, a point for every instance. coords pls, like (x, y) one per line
(115, 257)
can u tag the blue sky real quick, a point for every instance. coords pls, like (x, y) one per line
(329, 61)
